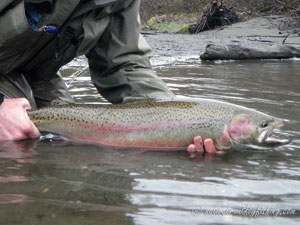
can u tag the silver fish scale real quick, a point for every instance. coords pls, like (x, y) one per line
(143, 112)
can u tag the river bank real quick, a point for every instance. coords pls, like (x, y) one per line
(174, 16)
(171, 49)
(178, 23)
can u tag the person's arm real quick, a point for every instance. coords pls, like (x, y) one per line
(119, 63)
(14, 121)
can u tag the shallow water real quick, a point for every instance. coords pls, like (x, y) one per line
(52, 182)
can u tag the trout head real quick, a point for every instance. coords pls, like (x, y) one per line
(252, 131)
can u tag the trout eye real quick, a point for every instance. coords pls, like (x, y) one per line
(264, 124)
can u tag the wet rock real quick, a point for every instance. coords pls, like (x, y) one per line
(239, 51)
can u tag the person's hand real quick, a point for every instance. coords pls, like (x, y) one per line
(200, 146)
(14, 121)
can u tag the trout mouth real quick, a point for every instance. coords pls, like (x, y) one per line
(266, 138)
(245, 135)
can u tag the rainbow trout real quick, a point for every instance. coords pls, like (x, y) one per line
(170, 124)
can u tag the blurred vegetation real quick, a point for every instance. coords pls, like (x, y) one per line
(151, 8)
(252, 8)
(187, 11)
(170, 15)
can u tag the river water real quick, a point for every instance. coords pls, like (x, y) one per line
(52, 182)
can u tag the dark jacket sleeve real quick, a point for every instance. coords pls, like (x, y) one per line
(4, 4)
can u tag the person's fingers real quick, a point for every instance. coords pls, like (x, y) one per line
(5, 135)
(196, 147)
(15, 123)
(200, 146)
(22, 102)
(191, 148)
(33, 132)
(210, 146)
(198, 142)
(30, 130)
(17, 136)
(25, 103)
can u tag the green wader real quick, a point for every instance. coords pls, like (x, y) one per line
(108, 34)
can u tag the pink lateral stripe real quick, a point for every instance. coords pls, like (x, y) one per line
(137, 128)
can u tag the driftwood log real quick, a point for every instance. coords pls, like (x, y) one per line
(242, 52)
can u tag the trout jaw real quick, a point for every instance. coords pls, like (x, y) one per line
(265, 138)
(243, 134)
